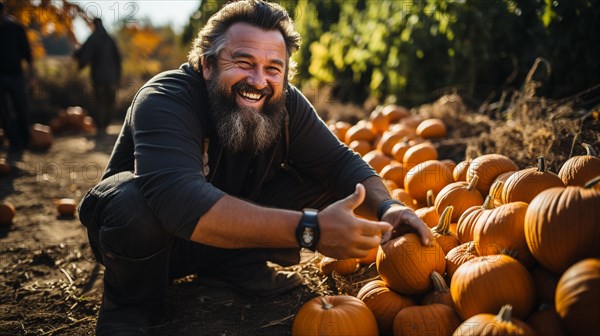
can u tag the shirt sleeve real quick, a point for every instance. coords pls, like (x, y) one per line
(316, 151)
(167, 136)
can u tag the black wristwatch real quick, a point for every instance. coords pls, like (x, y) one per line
(307, 232)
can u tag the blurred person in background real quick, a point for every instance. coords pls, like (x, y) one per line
(14, 83)
(101, 53)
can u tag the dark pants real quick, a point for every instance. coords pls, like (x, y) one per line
(15, 122)
(105, 95)
(140, 257)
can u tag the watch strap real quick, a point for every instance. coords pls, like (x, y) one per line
(385, 206)
(307, 231)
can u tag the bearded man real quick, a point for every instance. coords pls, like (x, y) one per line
(223, 165)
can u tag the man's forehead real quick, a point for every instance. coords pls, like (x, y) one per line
(244, 35)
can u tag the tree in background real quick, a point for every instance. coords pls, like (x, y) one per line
(415, 50)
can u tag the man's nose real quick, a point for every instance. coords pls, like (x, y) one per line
(257, 78)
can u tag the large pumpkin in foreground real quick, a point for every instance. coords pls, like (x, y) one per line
(406, 265)
(578, 297)
(562, 226)
(334, 315)
(485, 284)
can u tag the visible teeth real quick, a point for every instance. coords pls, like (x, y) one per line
(250, 95)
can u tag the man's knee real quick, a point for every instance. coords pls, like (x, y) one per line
(119, 220)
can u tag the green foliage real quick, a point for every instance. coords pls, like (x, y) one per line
(415, 50)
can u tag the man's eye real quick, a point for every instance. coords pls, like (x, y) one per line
(245, 64)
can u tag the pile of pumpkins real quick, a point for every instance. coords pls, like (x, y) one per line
(516, 252)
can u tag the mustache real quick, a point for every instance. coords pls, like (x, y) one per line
(243, 86)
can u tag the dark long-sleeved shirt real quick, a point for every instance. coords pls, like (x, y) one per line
(15, 47)
(162, 141)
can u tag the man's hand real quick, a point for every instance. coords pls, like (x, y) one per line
(343, 235)
(404, 220)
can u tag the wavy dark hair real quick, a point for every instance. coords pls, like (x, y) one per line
(262, 14)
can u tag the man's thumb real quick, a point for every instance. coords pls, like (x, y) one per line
(358, 196)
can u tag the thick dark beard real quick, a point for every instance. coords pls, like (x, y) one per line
(244, 128)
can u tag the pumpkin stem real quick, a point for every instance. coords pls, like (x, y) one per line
(505, 314)
(541, 164)
(471, 248)
(324, 304)
(496, 189)
(473, 183)
(592, 183)
(439, 284)
(430, 200)
(443, 227)
(589, 150)
(488, 203)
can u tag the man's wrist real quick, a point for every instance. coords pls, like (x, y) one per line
(385, 206)
(307, 231)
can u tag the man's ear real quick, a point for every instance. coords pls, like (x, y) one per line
(206, 70)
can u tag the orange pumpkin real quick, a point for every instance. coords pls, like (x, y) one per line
(394, 171)
(447, 240)
(461, 195)
(578, 170)
(334, 315)
(561, 226)
(503, 231)
(41, 136)
(429, 214)
(399, 150)
(460, 170)
(379, 122)
(525, 184)
(465, 228)
(362, 147)
(394, 112)
(484, 284)
(419, 153)
(339, 128)
(7, 212)
(377, 160)
(406, 265)
(431, 128)
(387, 142)
(359, 132)
(488, 167)
(433, 319)
(66, 206)
(431, 174)
(458, 256)
(577, 296)
(441, 292)
(491, 325)
(384, 303)
(329, 265)
(404, 197)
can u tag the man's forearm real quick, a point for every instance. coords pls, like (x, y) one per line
(234, 223)
(376, 193)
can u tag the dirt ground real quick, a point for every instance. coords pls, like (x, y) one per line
(51, 285)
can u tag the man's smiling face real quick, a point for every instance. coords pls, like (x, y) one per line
(246, 88)
(252, 65)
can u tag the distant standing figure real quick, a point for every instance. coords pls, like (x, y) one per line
(101, 53)
(13, 82)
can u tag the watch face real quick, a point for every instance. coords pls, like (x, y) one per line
(308, 236)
